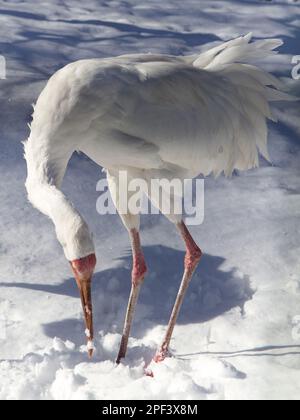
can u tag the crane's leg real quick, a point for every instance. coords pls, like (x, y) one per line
(192, 258)
(132, 224)
(138, 274)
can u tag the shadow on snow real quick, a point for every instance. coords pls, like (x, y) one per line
(212, 293)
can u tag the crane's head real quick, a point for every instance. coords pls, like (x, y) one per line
(71, 229)
(83, 269)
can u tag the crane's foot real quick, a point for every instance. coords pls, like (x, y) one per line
(161, 355)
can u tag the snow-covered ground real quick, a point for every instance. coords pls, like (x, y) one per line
(238, 335)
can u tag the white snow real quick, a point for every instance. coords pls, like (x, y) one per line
(238, 333)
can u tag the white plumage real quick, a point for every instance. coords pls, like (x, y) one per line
(152, 115)
(181, 115)
(177, 115)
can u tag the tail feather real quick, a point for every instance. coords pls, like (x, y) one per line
(207, 57)
(252, 90)
(236, 51)
(260, 76)
(277, 95)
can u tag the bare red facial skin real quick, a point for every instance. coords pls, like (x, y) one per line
(84, 267)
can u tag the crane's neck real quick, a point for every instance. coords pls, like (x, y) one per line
(71, 229)
(43, 181)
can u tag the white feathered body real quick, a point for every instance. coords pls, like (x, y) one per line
(193, 114)
(181, 116)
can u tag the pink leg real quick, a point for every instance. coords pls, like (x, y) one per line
(139, 269)
(192, 258)
(138, 274)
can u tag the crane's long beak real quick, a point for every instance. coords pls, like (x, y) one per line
(83, 270)
(85, 290)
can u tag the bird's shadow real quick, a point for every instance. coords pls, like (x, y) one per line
(212, 292)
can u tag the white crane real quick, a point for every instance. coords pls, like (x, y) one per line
(153, 116)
